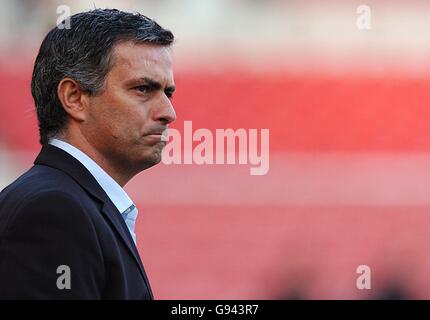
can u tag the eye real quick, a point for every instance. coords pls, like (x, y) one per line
(169, 94)
(143, 89)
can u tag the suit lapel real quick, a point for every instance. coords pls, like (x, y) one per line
(112, 213)
(57, 158)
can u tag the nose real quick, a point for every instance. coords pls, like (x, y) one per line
(165, 113)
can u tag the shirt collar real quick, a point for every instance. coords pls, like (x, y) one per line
(113, 190)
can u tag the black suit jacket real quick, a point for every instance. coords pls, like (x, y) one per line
(56, 214)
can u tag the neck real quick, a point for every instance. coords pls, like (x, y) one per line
(108, 165)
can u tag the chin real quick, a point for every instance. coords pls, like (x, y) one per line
(148, 156)
(151, 160)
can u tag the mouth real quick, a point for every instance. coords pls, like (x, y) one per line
(157, 136)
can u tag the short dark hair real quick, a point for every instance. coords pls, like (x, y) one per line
(83, 53)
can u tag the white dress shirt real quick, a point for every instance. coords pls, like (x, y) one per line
(113, 190)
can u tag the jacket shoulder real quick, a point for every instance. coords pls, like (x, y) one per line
(44, 187)
(37, 181)
(50, 227)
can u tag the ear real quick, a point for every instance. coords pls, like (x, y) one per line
(73, 99)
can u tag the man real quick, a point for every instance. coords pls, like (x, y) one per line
(102, 91)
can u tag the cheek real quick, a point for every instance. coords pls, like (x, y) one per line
(135, 116)
(120, 116)
(103, 121)
(127, 126)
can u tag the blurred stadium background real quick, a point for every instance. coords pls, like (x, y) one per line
(347, 109)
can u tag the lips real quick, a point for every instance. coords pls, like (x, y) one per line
(158, 135)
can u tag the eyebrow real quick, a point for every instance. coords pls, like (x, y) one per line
(154, 84)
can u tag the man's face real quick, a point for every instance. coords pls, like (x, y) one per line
(127, 121)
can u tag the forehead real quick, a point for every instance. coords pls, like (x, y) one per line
(135, 60)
